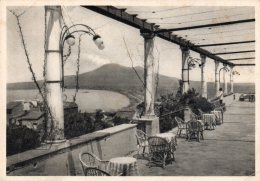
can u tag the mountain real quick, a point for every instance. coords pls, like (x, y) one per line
(117, 77)
(114, 76)
(109, 77)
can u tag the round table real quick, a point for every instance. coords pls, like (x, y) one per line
(123, 166)
(169, 137)
(209, 121)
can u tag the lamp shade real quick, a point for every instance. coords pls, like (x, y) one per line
(99, 42)
(70, 39)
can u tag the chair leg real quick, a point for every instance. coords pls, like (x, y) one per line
(202, 136)
(198, 136)
(164, 160)
(143, 149)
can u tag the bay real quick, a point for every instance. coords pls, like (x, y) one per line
(87, 100)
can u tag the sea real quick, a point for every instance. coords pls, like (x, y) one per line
(87, 100)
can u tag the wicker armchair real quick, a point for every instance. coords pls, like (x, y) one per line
(92, 165)
(142, 140)
(181, 125)
(160, 151)
(194, 129)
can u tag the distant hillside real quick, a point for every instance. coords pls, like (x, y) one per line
(117, 77)
(109, 77)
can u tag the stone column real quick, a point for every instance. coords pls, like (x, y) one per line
(231, 80)
(203, 82)
(149, 74)
(185, 69)
(224, 80)
(55, 124)
(149, 117)
(216, 78)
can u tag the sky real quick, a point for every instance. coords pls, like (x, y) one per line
(113, 34)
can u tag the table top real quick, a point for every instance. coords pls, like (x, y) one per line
(122, 160)
(208, 114)
(215, 111)
(167, 136)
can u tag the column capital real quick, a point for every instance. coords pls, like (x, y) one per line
(184, 48)
(231, 67)
(202, 56)
(53, 8)
(147, 34)
(203, 59)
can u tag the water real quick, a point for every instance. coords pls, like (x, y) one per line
(87, 100)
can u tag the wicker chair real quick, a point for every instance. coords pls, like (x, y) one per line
(222, 114)
(92, 165)
(92, 171)
(194, 128)
(160, 151)
(142, 140)
(201, 114)
(181, 125)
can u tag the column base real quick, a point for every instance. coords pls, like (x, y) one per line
(151, 124)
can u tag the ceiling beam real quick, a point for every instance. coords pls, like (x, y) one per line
(133, 21)
(224, 53)
(251, 64)
(229, 43)
(248, 58)
(207, 25)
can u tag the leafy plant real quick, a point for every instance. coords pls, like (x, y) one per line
(20, 139)
(173, 105)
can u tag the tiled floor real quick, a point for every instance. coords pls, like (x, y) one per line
(229, 150)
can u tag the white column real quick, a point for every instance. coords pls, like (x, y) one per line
(224, 80)
(216, 78)
(149, 74)
(185, 69)
(203, 81)
(231, 80)
(55, 128)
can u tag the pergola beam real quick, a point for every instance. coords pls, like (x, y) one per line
(229, 43)
(224, 53)
(252, 64)
(207, 25)
(133, 21)
(247, 58)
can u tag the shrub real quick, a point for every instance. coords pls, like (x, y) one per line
(171, 104)
(119, 120)
(20, 139)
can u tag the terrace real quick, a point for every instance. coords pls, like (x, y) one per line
(227, 150)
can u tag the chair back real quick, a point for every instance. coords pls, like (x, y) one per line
(193, 126)
(201, 113)
(180, 122)
(89, 160)
(194, 116)
(158, 144)
(141, 136)
(95, 172)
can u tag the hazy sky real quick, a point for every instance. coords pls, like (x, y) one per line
(112, 33)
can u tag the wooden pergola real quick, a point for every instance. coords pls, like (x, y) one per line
(223, 34)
